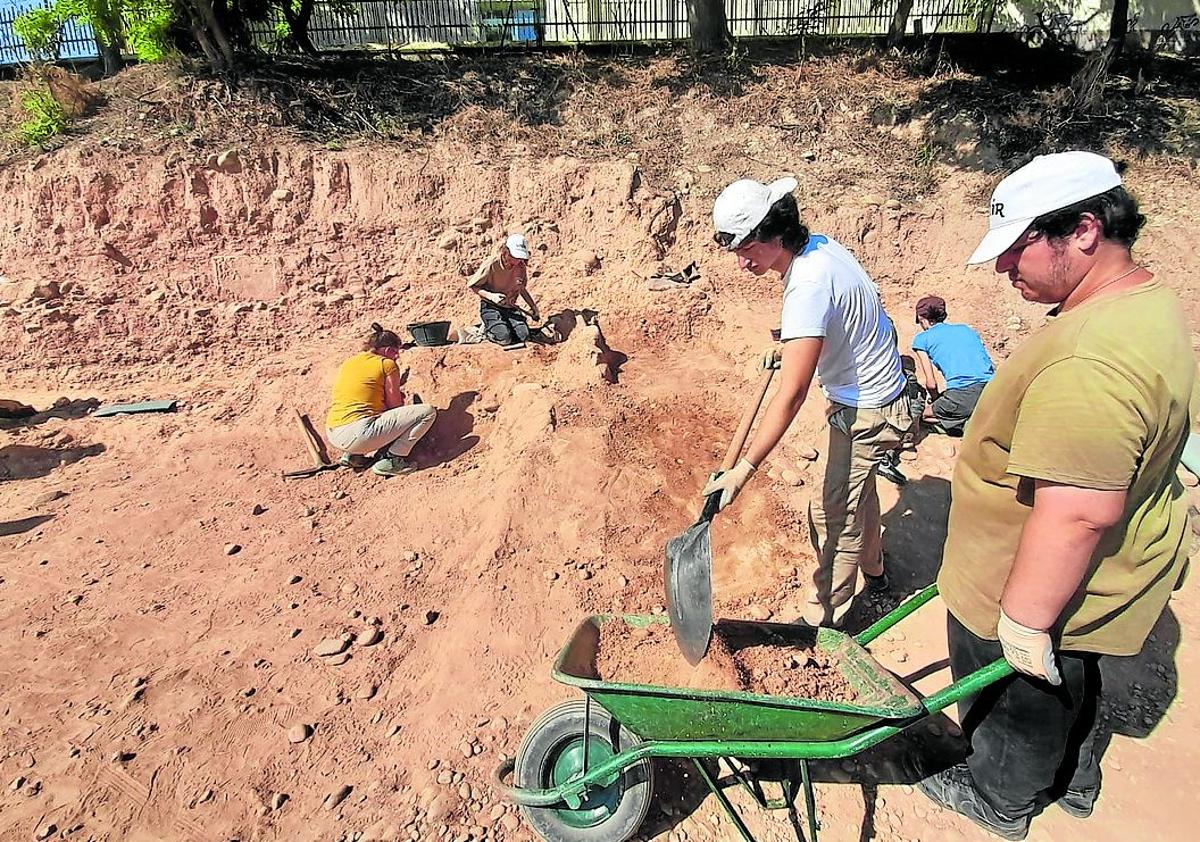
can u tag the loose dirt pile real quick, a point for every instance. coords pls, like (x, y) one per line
(649, 655)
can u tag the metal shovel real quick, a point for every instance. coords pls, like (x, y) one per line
(688, 571)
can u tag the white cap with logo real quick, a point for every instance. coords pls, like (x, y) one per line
(517, 246)
(744, 204)
(1047, 183)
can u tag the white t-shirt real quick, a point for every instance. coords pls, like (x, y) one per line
(827, 294)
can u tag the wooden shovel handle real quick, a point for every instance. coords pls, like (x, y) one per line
(310, 441)
(739, 438)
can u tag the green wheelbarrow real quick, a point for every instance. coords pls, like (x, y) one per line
(584, 771)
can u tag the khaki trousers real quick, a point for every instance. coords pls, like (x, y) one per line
(844, 522)
(401, 428)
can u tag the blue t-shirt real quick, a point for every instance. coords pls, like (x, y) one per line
(958, 353)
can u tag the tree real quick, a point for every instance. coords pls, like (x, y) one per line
(1087, 86)
(209, 33)
(899, 23)
(139, 24)
(709, 28)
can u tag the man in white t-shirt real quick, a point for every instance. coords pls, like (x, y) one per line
(833, 326)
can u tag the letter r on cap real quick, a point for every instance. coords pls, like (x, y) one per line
(997, 208)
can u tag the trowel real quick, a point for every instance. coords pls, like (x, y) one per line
(688, 570)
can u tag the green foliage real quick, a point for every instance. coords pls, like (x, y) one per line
(139, 25)
(46, 117)
(40, 31)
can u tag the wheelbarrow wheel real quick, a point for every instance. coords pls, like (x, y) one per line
(552, 753)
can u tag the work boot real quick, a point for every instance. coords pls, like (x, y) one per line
(354, 460)
(393, 466)
(955, 790)
(877, 584)
(889, 468)
(1078, 804)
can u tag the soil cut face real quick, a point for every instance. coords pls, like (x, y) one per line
(632, 655)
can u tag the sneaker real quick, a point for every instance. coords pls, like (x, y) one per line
(953, 789)
(1078, 804)
(354, 460)
(393, 466)
(890, 472)
(877, 584)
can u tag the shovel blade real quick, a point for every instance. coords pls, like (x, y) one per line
(689, 590)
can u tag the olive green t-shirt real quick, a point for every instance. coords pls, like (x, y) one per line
(1098, 398)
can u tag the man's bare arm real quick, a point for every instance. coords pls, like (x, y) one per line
(799, 365)
(926, 372)
(1055, 550)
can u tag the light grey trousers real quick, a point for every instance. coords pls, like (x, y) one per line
(401, 427)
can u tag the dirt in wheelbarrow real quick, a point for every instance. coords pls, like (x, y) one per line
(651, 656)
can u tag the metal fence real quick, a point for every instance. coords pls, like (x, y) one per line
(77, 40)
(399, 24)
(416, 24)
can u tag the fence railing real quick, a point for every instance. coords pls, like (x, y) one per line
(413, 24)
(77, 41)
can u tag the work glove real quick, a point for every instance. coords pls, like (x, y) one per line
(729, 483)
(770, 359)
(1028, 650)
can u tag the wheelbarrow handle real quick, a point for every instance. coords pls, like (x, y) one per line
(571, 793)
(897, 614)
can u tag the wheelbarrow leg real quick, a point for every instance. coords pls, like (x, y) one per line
(810, 801)
(724, 801)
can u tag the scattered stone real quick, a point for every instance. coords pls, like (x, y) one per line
(382, 831)
(339, 495)
(258, 509)
(431, 617)
(233, 549)
(338, 660)
(299, 732)
(18, 782)
(295, 633)
(622, 581)
(333, 799)
(790, 477)
(278, 799)
(892, 204)
(758, 612)
(510, 822)
(50, 497)
(550, 575)
(332, 646)
(585, 574)
(281, 195)
(349, 588)
(409, 557)
(369, 636)
(229, 161)
(366, 691)
(46, 831)
(589, 261)
(395, 732)
(467, 749)
(295, 579)
(448, 240)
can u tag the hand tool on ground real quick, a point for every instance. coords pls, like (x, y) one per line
(688, 571)
(316, 449)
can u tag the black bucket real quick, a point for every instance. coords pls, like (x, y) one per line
(430, 334)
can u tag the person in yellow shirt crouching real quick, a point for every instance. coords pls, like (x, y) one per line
(368, 413)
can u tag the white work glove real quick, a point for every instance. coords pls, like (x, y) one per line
(1028, 650)
(730, 482)
(770, 359)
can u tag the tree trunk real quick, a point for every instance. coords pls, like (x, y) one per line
(1087, 85)
(706, 19)
(216, 33)
(298, 25)
(899, 22)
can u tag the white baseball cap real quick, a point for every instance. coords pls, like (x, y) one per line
(744, 204)
(517, 246)
(1047, 183)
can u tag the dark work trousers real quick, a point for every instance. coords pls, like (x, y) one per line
(503, 325)
(1028, 737)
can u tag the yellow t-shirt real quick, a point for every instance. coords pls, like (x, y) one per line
(1099, 398)
(358, 388)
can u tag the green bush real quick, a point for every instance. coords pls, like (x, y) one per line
(46, 117)
(40, 30)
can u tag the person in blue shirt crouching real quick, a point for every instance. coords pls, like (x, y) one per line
(957, 352)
